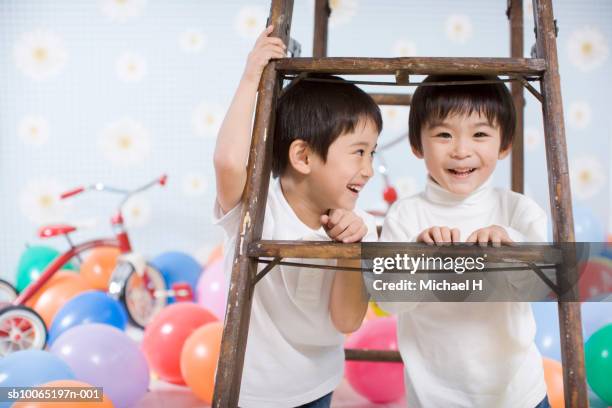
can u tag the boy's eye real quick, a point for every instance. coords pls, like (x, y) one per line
(480, 134)
(444, 135)
(373, 153)
(360, 152)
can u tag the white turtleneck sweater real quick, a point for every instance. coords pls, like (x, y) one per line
(468, 354)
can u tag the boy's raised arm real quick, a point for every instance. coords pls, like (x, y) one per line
(234, 138)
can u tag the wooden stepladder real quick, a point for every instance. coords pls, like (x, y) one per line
(542, 67)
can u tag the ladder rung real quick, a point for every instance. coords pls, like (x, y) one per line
(372, 355)
(413, 65)
(528, 253)
(391, 98)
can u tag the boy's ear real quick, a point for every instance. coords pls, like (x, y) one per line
(417, 153)
(299, 156)
(504, 153)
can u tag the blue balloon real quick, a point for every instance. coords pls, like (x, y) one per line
(178, 267)
(547, 336)
(587, 228)
(88, 307)
(29, 368)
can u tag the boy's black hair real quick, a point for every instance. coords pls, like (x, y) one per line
(436, 102)
(317, 113)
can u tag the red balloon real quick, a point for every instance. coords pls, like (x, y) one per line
(595, 278)
(378, 382)
(164, 338)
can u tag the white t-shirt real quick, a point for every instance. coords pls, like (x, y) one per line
(473, 354)
(294, 353)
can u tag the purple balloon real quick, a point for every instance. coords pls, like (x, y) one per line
(212, 289)
(104, 356)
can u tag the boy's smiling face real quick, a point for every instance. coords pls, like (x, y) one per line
(347, 168)
(461, 151)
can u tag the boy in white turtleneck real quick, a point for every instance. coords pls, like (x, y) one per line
(466, 354)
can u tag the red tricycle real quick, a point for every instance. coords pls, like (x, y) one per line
(139, 286)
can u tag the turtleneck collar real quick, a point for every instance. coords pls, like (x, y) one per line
(438, 195)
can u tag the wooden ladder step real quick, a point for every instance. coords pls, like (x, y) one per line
(413, 65)
(527, 253)
(372, 355)
(391, 99)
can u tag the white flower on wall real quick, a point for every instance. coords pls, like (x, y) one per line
(206, 119)
(395, 118)
(192, 41)
(33, 130)
(406, 186)
(587, 48)
(120, 11)
(40, 201)
(579, 114)
(194, 185)
(40, 54)
(130, 67)
(532, 138)
(125, 142)
(137, 211)
(342, 11)
(404, 48)
(250, 21)
(458, 28)
(587, 176)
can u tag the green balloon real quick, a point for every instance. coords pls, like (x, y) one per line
(33, 262)
(598, 353)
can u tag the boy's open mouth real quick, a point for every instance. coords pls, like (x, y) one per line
(355, 188)
(462, 171)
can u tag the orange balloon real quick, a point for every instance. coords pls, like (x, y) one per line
(553, 375)
(105, 403)
(52, 299)
(215, 254)
(199, 360)
(59, 276)
(99, 266)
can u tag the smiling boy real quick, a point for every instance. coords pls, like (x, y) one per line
(324, 141)
(466, 354)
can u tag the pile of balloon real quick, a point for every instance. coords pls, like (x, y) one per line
(88, 345)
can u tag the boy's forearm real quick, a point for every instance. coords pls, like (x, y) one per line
(349, 299)
(233, 144)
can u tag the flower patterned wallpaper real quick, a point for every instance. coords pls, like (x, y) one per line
(121, 91)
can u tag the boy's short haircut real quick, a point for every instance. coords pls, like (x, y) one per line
(436, 102)
(318, 112)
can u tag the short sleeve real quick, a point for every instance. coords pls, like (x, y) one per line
(229, 221)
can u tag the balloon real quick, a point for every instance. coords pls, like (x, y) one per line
(587, 227)
(105, 403)
(595, 315)
(106, 357)
(88, 307)
(33, 262)
(30, 368)
(595, 278)
(99, 265)
(378, 382)
(199, 360)
(178, 267)
(212, 289)
(52, 299)
(164, 337)
(61, 275)
(598, 362)
(215, 254)
(553, 375)
(547, 336)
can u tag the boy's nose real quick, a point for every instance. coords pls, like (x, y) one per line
(460, 150)
(367, 170)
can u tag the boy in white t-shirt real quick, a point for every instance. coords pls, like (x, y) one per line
(324, 141)
(467, 354)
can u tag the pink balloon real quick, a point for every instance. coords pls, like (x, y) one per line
(378, 382)
(212, 289)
